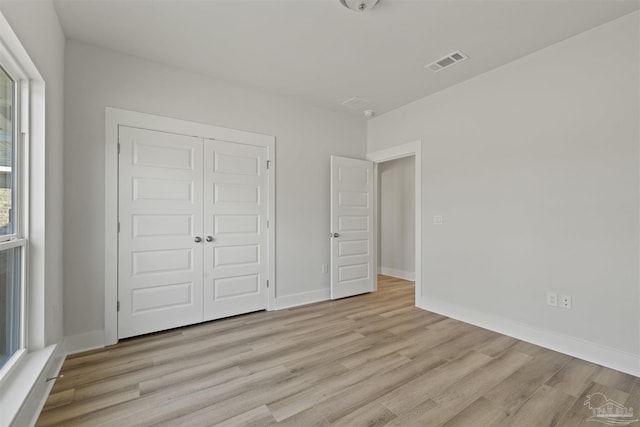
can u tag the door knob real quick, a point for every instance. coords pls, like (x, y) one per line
(209, 238)
(336, 235)
(197, 239)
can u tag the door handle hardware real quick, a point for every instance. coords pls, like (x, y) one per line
(197, 239)
(209, 238)
(336, 235)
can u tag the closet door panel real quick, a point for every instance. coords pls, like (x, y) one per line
(160, 215)
(235, 228)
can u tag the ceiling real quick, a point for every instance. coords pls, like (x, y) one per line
(321, 53)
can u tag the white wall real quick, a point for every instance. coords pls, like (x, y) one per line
(396, 225)
(535, 168)
(36, 25)
(305, 137)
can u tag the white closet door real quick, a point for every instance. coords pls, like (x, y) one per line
(160, 205)
(235, 228)
(351, 227)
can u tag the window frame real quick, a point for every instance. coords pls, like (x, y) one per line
(15, 154)
(19, 235)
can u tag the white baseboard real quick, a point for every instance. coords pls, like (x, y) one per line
(84, 342)
(576, 347)
(400, 274)
(302, 298)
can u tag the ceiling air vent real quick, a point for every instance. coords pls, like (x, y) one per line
(356, 103)
(447, 61)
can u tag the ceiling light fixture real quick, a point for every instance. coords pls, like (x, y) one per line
(359, 5)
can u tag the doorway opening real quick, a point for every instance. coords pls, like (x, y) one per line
(383, 161)
(396, 218)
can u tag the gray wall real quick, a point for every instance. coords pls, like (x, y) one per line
(535, 168)
(396, 224)
(305, 138)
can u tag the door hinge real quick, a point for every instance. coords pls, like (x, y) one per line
(118, 226)
(267, 223)
(118, 306)
(267, 283)
(118, 148)
(268, 163)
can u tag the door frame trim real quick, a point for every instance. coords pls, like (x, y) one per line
(404, 150)
(115, 117)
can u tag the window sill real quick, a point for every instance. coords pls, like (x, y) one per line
(13, 361)
(20, 380)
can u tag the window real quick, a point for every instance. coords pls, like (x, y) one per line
(12, 242)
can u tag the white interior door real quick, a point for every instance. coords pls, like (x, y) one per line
(160, 214)
(236, 194)
(351, 227)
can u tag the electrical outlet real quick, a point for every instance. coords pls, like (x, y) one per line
(438, 220)
(552, 299)
(325, 268)
(565, 301)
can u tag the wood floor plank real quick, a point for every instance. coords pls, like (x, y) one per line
(456, 396)
(56, 417)
(452, 349)
(497, 346)
(413, 417)
(200, 374)
(318, 359)
(259, 362)
(409, 328)
(264, 393)
(385, 346)
(257, 417)
(520, 386)
(477, 383)
(615, 379)
(374, 388)
(90, 357)
(545, 408)
(427, 339)
(578, 414)
(175, 370)
(309, 418)
(374, 360)
(179, 400)
(386, 324)
(372, 415)
(323, 390)
(574, 377)
(106, 372)
(59, 399)
(633, 401)
(482, 412)
(416, 391)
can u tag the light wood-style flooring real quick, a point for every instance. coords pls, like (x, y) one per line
(370, 360)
